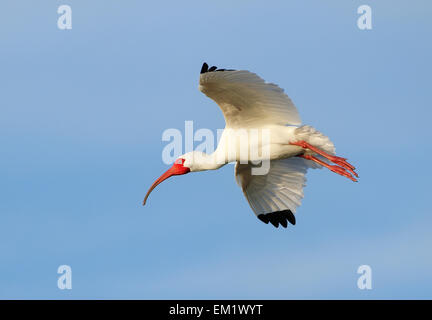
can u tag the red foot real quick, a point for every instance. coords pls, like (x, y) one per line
(336, 169)
(341, 167)
(337, 160)
(343, 163)
(342, 172)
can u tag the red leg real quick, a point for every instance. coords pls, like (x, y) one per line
(338, 160)
(339, 170)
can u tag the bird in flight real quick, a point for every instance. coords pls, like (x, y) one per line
(260, 116)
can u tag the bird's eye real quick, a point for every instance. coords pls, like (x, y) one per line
(178, 161)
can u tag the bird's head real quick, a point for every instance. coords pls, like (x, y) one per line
(180, 167)
(188, 162)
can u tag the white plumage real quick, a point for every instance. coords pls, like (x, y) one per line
(260, 116)
(280, 189)
(246, 100)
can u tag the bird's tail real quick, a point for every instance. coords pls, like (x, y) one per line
(315, 138)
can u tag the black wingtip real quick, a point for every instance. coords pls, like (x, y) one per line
(264, 218)
(204, 68)
(290, 217)
(278, 217)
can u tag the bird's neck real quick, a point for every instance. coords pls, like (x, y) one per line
(203, 161)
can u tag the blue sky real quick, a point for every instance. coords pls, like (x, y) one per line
(82, 113)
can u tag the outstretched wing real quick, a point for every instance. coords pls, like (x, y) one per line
(247, 100)
(275, 196)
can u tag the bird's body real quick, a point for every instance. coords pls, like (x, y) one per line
(265, 138)
(249, 145)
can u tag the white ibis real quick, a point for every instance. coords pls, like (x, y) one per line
(249, 103)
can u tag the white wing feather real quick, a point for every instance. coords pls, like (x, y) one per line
(280, 189)
(247, 100)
